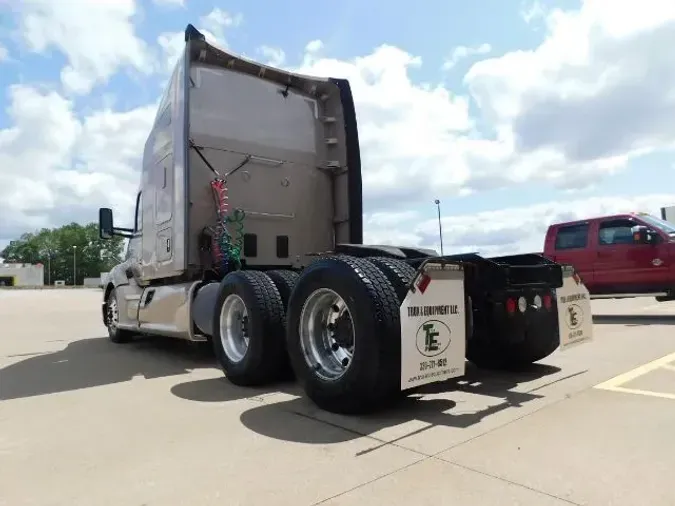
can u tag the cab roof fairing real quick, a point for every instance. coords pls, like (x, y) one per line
(202, 51)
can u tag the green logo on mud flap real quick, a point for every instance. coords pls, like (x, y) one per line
(433, 338)
(574, 316)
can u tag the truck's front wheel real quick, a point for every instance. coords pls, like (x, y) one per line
(116, 334)
(343, 335)
(248, 329)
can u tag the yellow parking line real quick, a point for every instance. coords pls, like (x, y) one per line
(670, 367)
(615, 382)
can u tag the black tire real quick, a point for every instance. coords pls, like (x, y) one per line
(115, 334)
(509, 356)
(284, 280)
(373, 377)
(263, 360)
(398, 272)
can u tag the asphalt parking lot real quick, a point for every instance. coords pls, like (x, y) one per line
(86, 422)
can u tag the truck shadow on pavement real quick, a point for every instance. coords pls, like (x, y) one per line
(282, 411)
(634, 319)
(286, 414)
(95, 362)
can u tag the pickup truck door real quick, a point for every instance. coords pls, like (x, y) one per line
(625, 266)
(570, 245)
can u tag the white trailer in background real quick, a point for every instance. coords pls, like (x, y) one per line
(22, 275)
(668, 213)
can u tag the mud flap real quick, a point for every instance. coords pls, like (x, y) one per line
(433, 325)
(575, 316)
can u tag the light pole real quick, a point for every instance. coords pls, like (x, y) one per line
(440, 227)
(74, 265)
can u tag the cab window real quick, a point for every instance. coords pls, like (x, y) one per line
(613, 232)
(572, 237)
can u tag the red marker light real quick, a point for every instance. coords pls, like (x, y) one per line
(511, 306)
(547, 301)
(423, 283)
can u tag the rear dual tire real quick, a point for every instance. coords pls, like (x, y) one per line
(270, 323)
(498, 350)
(249, 328)
(343, 335)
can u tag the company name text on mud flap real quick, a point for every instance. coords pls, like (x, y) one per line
(576, 334)
(571, 298)
(440, 310)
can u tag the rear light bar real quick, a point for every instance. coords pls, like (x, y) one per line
(537, 302)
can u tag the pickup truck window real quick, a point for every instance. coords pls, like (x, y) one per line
(572, 237)
(659, 224)
(616, 232)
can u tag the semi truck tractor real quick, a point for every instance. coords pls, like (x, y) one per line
(248, 234)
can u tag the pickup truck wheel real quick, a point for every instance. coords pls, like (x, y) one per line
(116, 334)
(343, 335)
(248, 329)
(398, 272)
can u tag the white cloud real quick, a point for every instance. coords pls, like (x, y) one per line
(272, 56)
(568, 113)
(97, 38)
(172, 45)
(408, 132)
(213, 26)
(4, 53)
(169, 3)
(218, 20)
(598, 89)
(504, 231)
(462, 52)
(314, 46)
(55, 167)
(533, 12)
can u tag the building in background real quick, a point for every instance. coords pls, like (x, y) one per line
(22, 274)
(668, 213)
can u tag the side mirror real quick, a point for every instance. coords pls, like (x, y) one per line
(643, 235)
(105, 223)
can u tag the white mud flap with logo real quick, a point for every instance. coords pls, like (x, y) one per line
(575, 317)
(433, 326)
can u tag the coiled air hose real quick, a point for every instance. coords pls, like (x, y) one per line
(227, 246)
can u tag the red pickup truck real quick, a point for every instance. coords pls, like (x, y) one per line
(624, 255)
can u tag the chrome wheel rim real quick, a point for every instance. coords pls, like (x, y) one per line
(327, 334)
(234, 335)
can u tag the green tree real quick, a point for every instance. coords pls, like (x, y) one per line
(61, 249)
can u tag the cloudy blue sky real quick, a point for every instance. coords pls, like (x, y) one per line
(514, 113)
